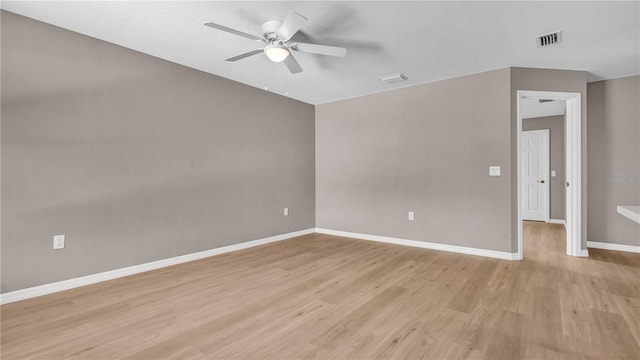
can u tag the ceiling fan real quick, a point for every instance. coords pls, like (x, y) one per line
(277, 35)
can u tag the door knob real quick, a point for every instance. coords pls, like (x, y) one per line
(541, 181)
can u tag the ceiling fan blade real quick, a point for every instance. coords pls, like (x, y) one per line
(320, 49)
(245, 55)
(292, 64)
(233, 31)
(290, 26)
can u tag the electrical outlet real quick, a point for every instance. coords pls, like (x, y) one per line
(58, 242)
(286, 211)
(494, 170)
(553, 173)
(411, 216)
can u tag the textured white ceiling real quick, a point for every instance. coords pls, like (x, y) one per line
(428, 41)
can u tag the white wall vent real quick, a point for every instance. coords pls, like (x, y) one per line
(549, 39)
(391, 79)
(545, 100)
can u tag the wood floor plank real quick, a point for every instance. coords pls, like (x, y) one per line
(614, 336)
(320, 296)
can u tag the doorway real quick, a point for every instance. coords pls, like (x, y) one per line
(573, 167)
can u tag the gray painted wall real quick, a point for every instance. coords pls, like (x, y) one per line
(137, 159)
(547, 80)
(614, 159)
(555, 124)
(425, 149)
(417, 149)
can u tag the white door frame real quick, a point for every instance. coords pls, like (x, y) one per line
(573, 164)
(547, 209)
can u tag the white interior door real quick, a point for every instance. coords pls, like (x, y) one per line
(535, 175)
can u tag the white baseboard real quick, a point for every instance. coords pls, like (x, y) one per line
(557, 221)
(136, 269)
(584, 253)
(616, 247)
(423, 244)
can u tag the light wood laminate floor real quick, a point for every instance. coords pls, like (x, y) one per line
(326, 297)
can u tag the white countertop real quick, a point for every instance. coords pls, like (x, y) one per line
(630, 211)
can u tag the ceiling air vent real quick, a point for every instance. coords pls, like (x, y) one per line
(392, 79)
(549, 39)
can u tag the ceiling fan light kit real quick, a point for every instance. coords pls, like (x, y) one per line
(276, 52)
(277, 35)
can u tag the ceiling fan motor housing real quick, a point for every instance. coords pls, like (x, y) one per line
(270, 28)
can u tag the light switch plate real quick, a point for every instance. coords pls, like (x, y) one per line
(286, 211)
(58, 242)
(553, 173)
(494, 170)
(411, 216)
